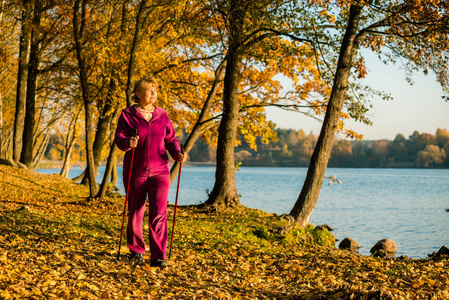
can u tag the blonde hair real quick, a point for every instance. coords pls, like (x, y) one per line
(141, 84)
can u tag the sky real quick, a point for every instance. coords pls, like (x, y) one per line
(418, 107)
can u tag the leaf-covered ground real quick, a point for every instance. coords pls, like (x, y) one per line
(54, 244)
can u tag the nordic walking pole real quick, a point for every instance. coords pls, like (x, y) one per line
(126, 198)
(176, 205)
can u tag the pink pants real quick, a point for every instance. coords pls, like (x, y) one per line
(157, 188)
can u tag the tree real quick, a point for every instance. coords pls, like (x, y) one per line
(398, 149)
(412, 145)
(40, 53)
(141, 39)
(25, 39)
(46, 27)
(136, 40)
(111, 108)
(8, 77)
(341, 154)
(26, 156)
(446, 151)
(407, 27)
(379, 154)
(255, 53)
(201, 123)
(442, 137)
(160, 29)
(431, 156)
(293, 138)
(306, 149)
(78, 29)
(309, 194)
(69, 142)
(359, 154)
(224, 191)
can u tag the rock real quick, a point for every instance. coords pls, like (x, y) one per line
(324, 227)
(386, 244)
(327, 227)
(348, 243)
(320, 227)
(444, 251)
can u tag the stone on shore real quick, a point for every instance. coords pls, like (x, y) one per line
(443, 252)
(348, 243)
(327, 227)
(386, 245)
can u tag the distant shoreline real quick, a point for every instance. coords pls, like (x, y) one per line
(56, 164)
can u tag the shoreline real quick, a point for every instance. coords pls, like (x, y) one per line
(195, 194)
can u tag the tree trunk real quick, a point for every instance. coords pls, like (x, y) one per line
(24, 45)
(66, 165)
(110, 165)
(26, 156)
(1, 124)
(112, 158)
(88, 106)
(42, 147)
(103, 123)
(197, 128)
(69, 143)
(315, 175)
(114, 173)
(107, 172)
(132, 55)
(224, 192)
(8, 144)
(80, 176)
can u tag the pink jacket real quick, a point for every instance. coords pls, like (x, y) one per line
(150, 157)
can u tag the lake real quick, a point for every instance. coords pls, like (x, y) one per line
(405, 205)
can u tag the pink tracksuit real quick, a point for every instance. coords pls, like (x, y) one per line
(150, 175)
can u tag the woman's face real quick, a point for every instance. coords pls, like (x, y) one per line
(147, 95)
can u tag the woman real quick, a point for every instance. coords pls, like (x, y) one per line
(147, 129)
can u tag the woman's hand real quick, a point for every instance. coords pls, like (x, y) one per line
(181, 157)
(133, 141)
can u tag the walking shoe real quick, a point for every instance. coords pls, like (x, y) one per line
(137, 256)
(158, 263)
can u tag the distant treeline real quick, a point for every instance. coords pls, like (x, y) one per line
(294, 149)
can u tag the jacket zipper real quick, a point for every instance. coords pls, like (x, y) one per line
(149, 141)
